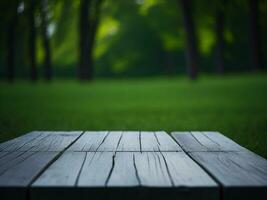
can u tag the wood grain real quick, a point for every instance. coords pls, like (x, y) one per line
(41, 141)
(125, 175)
(205, 141)
(89, 141)
(15, 179)
(241, 173)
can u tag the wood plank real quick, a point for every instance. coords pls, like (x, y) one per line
(111, 142)
(14, 181)
(166, 143)
(157, 141)
(89, 141)
(125, 168)
(205, 141)
(149, 142)
(124, 172)
(53, 141)
(96, 169)
(12, 159)
(234, 168)
(124, 175)
(16, 143)
(242, 174)
(185, 172)
(223, 141)
(42, 141)
(130, 141)
(152, 170)
(63, 172)
(21, 172)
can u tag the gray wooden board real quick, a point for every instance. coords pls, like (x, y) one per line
(89, 169)
(150, 169)
(124, 171)
(111, 142)
(122, 141)
(13, 158)
(16, 143)
(243, 175)
(114, 170)
(205, 141)
(165, 142)
(234, 168)
(63, 172)
(41, 141)
(21, 172)
(130, 141)
(89, 141)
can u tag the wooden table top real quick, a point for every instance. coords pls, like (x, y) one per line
(129, 165)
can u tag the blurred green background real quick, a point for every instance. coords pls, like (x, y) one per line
(138, 37)
(140, 79)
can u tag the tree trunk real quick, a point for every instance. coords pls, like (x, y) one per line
(257, 58)
(219, 31)
(45, 37)
(191, 41)
(93, 25)
(84, 65)
(11, 36)
(32, 40)
(89, 19)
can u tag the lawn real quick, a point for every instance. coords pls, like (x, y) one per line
(234, 105)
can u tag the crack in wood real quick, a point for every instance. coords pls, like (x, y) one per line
(157, 138)
(28, 142)
(111, 170)
(119, 142)
(103, 140)
(136, 171)
(168, 170)
(210, 139)
(80, 170)
(53, 160)
(198, 140)
(140, 141)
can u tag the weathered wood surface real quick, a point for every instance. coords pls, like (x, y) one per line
(124, 169)
(205, 141)
(18, 170)
(41, 141)
(125, 141)
(173, 171)
(129, 165)
(102, 165)
(24, 158)
(242, 174)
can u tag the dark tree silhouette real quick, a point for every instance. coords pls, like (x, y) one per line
(32, 40)
(84, 40)
(11, 36)
(45, 38)
(257, 56)
(220, 40)
(191, 41)
(89, 19)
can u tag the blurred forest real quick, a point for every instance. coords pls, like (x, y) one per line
(45, 39)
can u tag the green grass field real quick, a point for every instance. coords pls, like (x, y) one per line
(234, 105)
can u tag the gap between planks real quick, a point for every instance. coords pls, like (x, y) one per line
(51, 162)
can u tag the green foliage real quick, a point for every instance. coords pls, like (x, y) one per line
(137, 37)
(234, 105)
